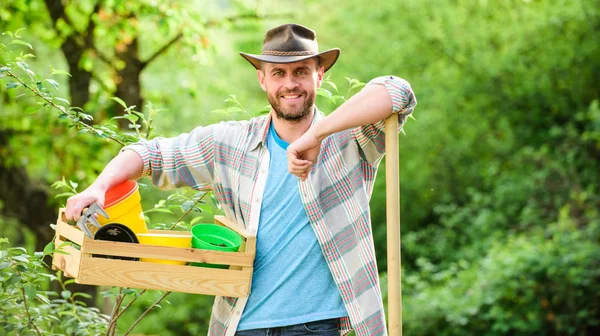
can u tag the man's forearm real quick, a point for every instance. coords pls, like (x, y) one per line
(370, 105)
(128, 165)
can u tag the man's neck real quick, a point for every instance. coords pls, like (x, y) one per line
(289, 131)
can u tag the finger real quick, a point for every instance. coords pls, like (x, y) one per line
(76, 212)
(299, 169)
(69, 209)
(299, 162)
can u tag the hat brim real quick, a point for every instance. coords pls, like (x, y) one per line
(328, 58)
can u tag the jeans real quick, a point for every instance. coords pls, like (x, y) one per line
(327, 327)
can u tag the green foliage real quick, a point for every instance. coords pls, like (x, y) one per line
(542, 282)
(27, 306)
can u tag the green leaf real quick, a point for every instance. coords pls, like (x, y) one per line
(53, 82)
(14, 279)
(12, 85)
(131, 117)
(3, 69)
(65, 294)
(18, 31)
(60, 72)
(16, 41)
(62, 100)
(68, 194)
(32, 109)
(49, 247)
(85, 295)
(30, 291)
(332, 84)
(22, 258)
(120, 101)
(161, 210)
(187, 205)
(356, 86)
(38, 255)
(59, 251)
(42, 298)
(129, 291)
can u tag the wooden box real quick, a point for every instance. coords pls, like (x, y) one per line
(87, 269)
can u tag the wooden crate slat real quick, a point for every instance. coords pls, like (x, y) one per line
(68, 263)
(188, 279)
(233, 225)
(167, 253)
(72, 233)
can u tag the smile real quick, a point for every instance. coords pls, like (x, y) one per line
(291, 97)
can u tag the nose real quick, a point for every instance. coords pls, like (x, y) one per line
(290, 83)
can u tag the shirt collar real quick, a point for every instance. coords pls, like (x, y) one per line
(262, 125)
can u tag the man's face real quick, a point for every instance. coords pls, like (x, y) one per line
(291, 88)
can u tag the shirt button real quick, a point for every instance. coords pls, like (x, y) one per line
(256, 199)
(263, 171)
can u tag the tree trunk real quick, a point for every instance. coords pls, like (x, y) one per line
(29, 202)
(129, 88)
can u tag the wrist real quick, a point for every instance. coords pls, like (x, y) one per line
(319, 131)
(100, 185)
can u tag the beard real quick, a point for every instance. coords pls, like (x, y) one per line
(292, 113)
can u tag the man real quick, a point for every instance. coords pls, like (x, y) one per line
(297, 179)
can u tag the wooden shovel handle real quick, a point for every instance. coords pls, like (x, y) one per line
(392, 177)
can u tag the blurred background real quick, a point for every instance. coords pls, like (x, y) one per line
(499, 170)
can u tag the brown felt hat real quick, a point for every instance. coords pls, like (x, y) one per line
(290, 43)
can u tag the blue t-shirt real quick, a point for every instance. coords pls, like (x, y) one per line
(291, 283)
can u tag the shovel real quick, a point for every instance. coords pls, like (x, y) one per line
(392, 189)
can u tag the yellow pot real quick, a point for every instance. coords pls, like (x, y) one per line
(183, 240)
(123, 205)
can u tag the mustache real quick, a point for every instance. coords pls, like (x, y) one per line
(290, 92)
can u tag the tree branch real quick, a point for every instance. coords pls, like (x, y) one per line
(60, 108)
(146, 312)
(162, 50)
(115, 310)
(27, 311)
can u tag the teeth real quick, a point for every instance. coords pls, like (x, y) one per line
(291, 97)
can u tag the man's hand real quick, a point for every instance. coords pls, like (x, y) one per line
(76, 203)
(303, 153)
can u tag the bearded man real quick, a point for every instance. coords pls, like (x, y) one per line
(300, 181)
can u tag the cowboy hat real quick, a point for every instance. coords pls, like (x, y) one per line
(290, 43)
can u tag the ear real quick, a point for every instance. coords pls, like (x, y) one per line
(261, 79)
(320, 75)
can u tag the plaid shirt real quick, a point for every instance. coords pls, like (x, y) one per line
(231, 158)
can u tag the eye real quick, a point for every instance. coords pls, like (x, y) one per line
(302, 72)
(278, 73)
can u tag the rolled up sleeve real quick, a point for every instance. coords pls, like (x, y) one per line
(185, 160)
(371, 138)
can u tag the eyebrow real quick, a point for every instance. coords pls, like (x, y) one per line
(302, 67)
